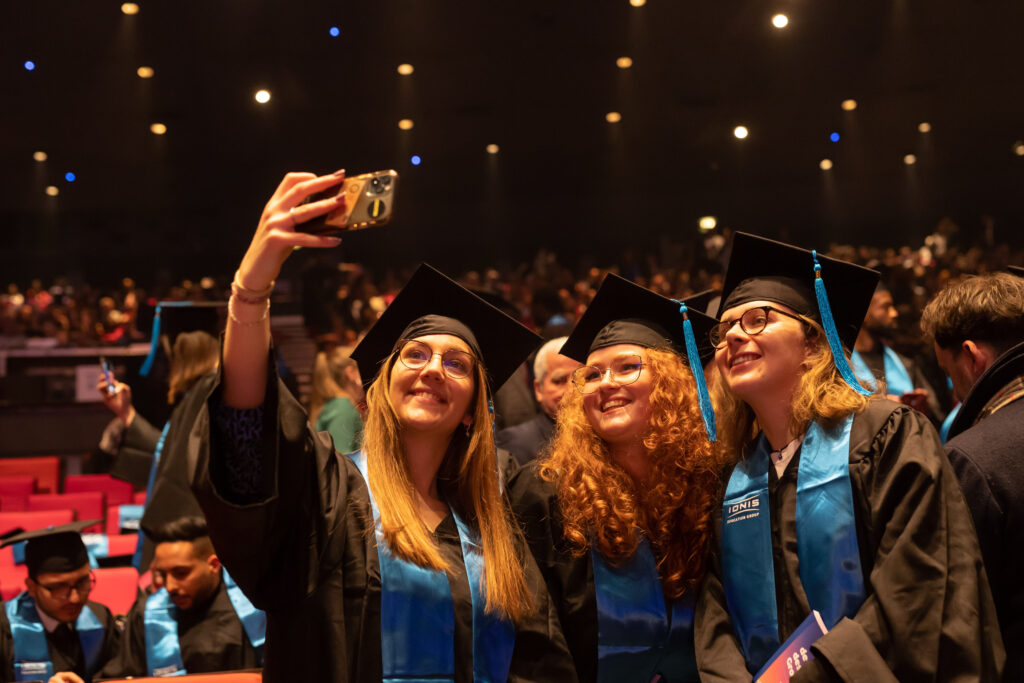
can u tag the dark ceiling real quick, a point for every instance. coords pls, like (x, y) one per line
(536, 78)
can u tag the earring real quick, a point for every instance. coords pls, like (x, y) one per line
(467, 426)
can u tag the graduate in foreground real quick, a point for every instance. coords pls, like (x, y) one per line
(398, 562)
(839, 501)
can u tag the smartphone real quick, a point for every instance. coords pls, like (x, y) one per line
(108, 374)
(369, 201)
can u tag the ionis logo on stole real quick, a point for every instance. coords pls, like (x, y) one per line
(748, 508)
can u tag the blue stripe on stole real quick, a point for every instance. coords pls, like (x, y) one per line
(897, 380)
(160, 621)
(636, 638)
(418, 618)
(157, 452)
(31, 651)
(254, 621)
(829, 559)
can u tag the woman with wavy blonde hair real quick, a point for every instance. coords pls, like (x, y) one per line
(334, 405)
(841, 523)
(618, 511)
(398, 562)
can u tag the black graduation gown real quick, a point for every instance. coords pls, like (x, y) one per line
(928, 614)
(211, 638)
(65, 654)
(304, 552)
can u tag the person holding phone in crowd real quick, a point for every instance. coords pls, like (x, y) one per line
(617, 511)
(398, 562)
(839, 501)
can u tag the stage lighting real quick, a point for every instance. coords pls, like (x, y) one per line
(30, 65)
(130, 8)
(158, 129)
(623, 62)
(825, 165)
(707, 223)
(69, 176)
(613, 117)
(780, 21)
(39, 156)
(415, 160)
(262, 96)
(405, 124)
(52, 190)
(834, 137)
(144, 72)
(924, 127)
(909, 159)
(740, 132)
(405, 69)
(492, 148)
(849, 105)
(334, 31)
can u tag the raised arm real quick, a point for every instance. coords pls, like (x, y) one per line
(247, 337)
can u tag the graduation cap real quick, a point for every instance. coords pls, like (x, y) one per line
(761, 269)
(1015, 270)
(432, 303)
(55, 549)
(705, 302)
(626, 313)
(174, 317)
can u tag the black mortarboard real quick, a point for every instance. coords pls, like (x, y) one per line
(626, 313)
(1015, 270)
(174, 317)
(432, 303)
(765, 270)
(54, 550)
(706, 301)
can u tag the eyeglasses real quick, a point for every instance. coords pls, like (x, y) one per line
(456, 364)
(753, 321)
(62, 591)
(624, 370)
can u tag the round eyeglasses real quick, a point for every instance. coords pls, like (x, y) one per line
(623, 370)
(753, 321)
(416, 354)
(62, 591)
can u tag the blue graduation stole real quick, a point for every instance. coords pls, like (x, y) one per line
(897, 380)
(160, 621)
(830, 568)
(31, 651)
(157, 452)
(417, 616)
(637, 639)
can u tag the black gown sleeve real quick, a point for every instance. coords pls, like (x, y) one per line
(135, 455)
(6, 646)
(129, 656)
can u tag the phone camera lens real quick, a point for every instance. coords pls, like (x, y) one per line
(376, 186)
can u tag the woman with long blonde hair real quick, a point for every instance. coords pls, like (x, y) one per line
(338, 398)
(842, 524)
(618, 511)
(398, 562)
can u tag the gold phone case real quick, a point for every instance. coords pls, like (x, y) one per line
(369, 201)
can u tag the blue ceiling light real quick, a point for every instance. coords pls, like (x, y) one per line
(30, 65)
(415, 161)
(334, 31)
(69, 176)
(834, 137)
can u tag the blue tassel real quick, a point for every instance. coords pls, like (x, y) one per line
(703, 398)
(838, 357)
(147, 364)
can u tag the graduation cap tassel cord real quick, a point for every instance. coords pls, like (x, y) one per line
(830, 330)
(703, 398)
(147, 365)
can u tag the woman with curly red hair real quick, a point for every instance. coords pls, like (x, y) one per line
(618, 511)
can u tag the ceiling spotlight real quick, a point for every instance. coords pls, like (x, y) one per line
(69, 176)
(262, 96)
(924, 127)
(1018, 148)
(910, 159)
(405, 69)
(144, 72)
(39, 156)
(30, 65)
(52, 190)
(623, 62)
(334, 31)
(638, 3)
(834, 137)
(405, 124)
(825, 165)
(415, 160)
(780, 21)
(849, 105)
(130, 8)
(492, 148)
(707, 223)
(740, 132)
(158, 129)
(613, 117)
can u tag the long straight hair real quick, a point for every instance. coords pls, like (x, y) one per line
(468, 481)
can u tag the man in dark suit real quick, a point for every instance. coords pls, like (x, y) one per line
(552, 377)
(977, 325)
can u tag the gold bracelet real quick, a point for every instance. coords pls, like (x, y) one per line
(253, 323)
(250, 296)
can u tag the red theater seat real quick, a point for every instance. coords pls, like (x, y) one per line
(118, 492)
(30, 521)
(229, 677)
(15, 490)
(120, 545)
(12, 581)
(116, 587)
(139, 498)
(46, 471)
(86, 506)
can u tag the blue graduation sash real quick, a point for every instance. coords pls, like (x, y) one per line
(31, 651)
(897, 380)
(417, 616)
(636, 638)
(160, 621)
(830, 568)
(157, 452)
